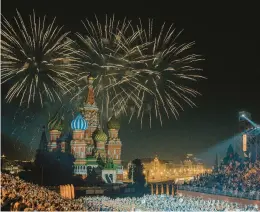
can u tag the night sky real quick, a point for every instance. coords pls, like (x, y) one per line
(226, 35)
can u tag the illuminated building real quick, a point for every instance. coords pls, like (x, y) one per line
(12, 166)
(89, 143)
(156, 170)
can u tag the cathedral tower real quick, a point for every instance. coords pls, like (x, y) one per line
(113, 146)
(90, 113)
(100, 139)
(79, 145)
(90, 109)
(55, 127)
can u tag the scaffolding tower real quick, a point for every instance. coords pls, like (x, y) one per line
(249, 140)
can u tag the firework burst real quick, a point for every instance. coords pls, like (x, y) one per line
(37, 60)
(138, 70)
(167, 76)
(110, 53)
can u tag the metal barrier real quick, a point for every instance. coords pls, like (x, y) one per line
(253, 195)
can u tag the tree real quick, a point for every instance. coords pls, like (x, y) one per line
(231, 155)
(130, 171)
(230, 151)
(92, 177)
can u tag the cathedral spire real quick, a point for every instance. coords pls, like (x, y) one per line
(91, 97)
(43, 141)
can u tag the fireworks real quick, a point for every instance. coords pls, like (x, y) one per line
(137, 70)
(37, 60)
(110, 53)
(167, 75)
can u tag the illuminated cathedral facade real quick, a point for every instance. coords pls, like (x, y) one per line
(90, 144)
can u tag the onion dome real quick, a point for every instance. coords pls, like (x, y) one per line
(56, 123)
(113, 123)
(100, 136)
(79, 123)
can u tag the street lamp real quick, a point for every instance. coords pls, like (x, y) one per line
(133, 166)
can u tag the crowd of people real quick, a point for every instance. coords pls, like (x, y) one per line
(234, 177)
(166, 203)
(18, 195)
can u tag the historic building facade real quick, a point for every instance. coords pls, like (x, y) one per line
(90, 144)
(157, 170)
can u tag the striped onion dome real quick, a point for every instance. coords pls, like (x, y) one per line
(100, 136)
(56, 123)
(113, 123)
(79, 123)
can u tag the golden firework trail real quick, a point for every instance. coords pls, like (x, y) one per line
(168, 75)
(110, 53)
(138, 70)
(37, 60)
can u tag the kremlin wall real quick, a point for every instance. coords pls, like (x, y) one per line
(90, 145)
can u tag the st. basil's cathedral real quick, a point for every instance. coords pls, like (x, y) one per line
(90, 143)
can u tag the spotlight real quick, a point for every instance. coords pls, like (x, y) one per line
(244, 115)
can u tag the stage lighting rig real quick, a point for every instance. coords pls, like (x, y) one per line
(245, 116)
